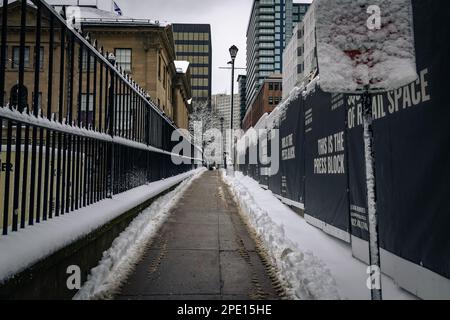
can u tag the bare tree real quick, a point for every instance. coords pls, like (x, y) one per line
(202, 120)
(204, 113)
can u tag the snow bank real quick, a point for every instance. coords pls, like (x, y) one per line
(306, 276)
(23, 249)
(314, 264)
(129, 246)
(351, 55)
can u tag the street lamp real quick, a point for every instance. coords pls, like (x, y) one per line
(233, 53)
(223, 145)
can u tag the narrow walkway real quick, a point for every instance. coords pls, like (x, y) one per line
(203, 252)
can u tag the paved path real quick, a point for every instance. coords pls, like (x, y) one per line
(203, 252)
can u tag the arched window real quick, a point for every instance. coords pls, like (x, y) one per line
(14, 97)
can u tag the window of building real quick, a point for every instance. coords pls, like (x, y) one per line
(41, 58)
(16, 57)
(39, 100)
(159, 67)
(87, 108)
(271, 101)
(124, 57)
(85, 61)
(270, 86)
(6, 56)
(84, 102)
(164, 77)
(277, 100)
(15, 100)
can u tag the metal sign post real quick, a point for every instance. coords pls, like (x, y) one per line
(369, 153)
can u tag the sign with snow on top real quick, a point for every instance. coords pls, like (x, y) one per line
(365, 45)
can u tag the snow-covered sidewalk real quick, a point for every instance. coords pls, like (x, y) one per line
(127, 249)
(313, 264)
(22, 249)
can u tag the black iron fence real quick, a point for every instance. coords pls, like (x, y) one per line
(86, 132)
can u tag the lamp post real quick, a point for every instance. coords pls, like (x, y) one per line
(233, 53)
(223, 144)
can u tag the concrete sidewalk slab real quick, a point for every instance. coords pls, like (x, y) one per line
(203, 252)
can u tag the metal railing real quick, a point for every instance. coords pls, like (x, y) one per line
(87, 132)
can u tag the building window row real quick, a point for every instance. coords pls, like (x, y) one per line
(192, 48)
(266, 10)
(197, 82)
(191, 36)
(194, 59)
(266, 24)
(266, 38)
(275, 86)
(266, 52)
(13, 62)
(200, 93)
(274, 100)
(199, 71)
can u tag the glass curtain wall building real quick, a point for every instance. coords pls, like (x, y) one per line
(269, 30)
(193, 44)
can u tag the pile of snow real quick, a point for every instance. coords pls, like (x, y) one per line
(314, 264)
(126, 250)
(20, 250)
(306, 276)
(351, 55)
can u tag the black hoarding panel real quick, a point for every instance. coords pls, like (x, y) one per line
(411, 138)
(414, 176)
(275, 177)
(356, 169)
(326, 178)
(263, 145)
(292, 159)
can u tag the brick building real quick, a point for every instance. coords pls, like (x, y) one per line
(267, 98)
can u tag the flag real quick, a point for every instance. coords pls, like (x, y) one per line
(117, 9)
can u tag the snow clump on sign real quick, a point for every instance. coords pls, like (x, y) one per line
(354, 52)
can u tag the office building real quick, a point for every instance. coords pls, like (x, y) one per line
(242, 89)
(293, 61)
(270, 28)
(193, 44)
(300, 55)
(221, 103)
